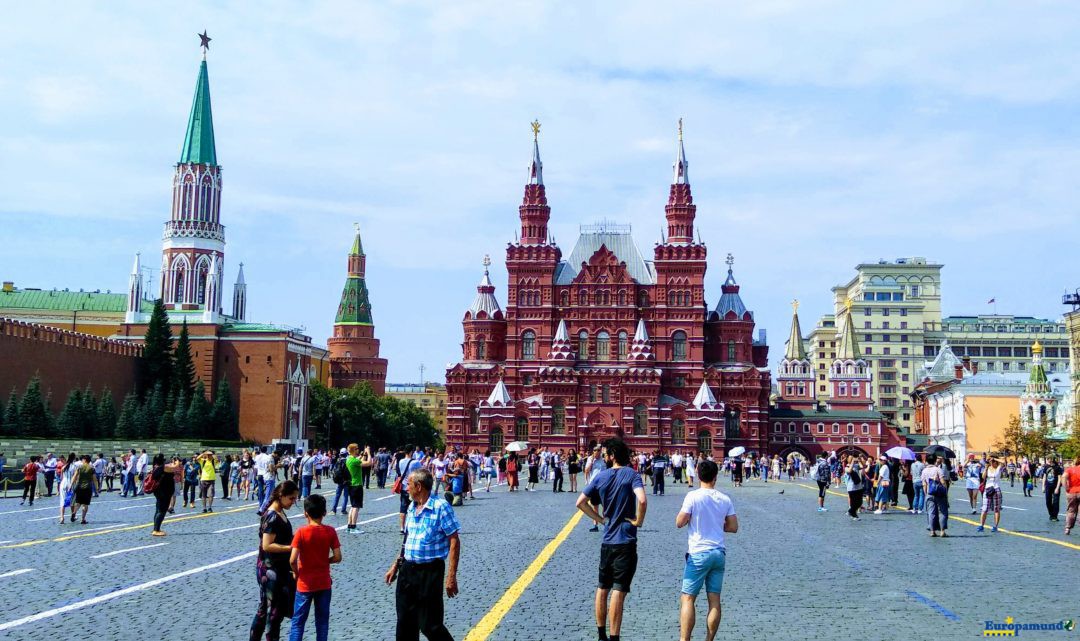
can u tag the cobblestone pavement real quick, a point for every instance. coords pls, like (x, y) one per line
(793, 573)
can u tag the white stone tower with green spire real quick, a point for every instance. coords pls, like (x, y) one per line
(849, 375)
(1037, 403)
(794, 374)
(193, 244)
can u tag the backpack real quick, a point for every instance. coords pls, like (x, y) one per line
(824, 475)
(340, 471)
(937, 489)
(149, 483)
(855, 477)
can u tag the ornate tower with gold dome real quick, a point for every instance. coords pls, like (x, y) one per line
(1037, 403)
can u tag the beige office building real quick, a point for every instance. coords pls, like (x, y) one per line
(430, 397)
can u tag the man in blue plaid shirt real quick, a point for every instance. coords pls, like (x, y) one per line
(431, 536)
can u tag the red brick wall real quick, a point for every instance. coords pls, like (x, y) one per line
(65, 361)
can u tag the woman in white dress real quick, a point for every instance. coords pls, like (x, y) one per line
(691, 469)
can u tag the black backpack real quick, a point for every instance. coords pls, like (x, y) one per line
(341, 473)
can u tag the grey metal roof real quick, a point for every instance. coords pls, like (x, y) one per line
(620, 242)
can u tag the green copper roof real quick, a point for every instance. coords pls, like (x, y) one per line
(1037, 379)
(795, 350)
(54, 300)
(199, 141)
(357, 246)
(355, 306)
(848, 349)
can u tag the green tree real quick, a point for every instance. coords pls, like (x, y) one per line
(180, 411)
(3, 422)
(1070, 447)
(183, 368)
(127, 423)
(106, 415)
(157, 349)
(89, 428)
(11, 414)
(150, 412)
(167, 421)
(34, 417)
(222, 418)
(359, 415)
(198, 416)
(69, 423)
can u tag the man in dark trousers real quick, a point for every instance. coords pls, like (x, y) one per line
(660, 464)
(422, 568)
(619, 490)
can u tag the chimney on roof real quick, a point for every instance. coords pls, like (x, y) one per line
(959, 372)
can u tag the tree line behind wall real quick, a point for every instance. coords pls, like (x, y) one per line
(172, 404)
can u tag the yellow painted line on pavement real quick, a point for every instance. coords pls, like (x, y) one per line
(483, 629)
(1064, 544)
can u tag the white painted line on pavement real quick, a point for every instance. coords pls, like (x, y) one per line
(95, 529)
(231, 529)
(141, 547)
(44, 518)
(1009, 507)
(377, 518)
(15, 573)
(3, 542)
(108, 596)
(53, 507)
(130, 507)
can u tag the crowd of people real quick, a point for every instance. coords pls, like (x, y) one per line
(293, 568)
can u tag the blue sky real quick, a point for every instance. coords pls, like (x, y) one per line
(819, 134)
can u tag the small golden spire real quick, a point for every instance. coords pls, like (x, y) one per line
(1037, 348)
(535, 124)
(680, 129)
(795, 306)
(847, 304)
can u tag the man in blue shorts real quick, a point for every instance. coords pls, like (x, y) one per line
(709, 513)
(619, 490)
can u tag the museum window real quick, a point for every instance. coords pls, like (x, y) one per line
(678, 432)
(582, 297)
(704, 441)
(521, 429)
(622, 297)
(624, 345)
(495, 440)
(474, 420)
(820, 428)
(583, 345)
(558, 418)
(603, 346)
(678, 346)
(565, 298)
(592, 393)
(777, 427)
(732, 417)
(528, 344)
(731, 356)
(806, 428)
(605, 393)
(641, 420)
(481, 348)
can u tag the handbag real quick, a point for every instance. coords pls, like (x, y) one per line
(937, 489)
(149, 484)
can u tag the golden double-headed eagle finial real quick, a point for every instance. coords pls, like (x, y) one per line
(535, 124)
(680, 128)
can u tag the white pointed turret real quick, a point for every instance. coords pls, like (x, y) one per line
(500, 395)
(212, 293)
(561, 348)
(135, 293)
(641, 349)
(485, 296)
(704, 397)
(240, 296)
(681, 166)
(536, 168)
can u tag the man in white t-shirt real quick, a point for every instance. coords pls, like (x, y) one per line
(262, 464)
(709, 513)
(676, 467)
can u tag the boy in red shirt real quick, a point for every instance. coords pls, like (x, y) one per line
(30, 471)
(314, 547)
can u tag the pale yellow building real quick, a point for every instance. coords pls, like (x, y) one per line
(896, 312)
(430, 397)
(1072, 328)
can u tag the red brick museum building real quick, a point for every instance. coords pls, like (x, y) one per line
(607, 343)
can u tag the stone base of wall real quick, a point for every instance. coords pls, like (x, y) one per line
(18, 451)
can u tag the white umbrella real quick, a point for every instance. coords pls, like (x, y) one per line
(902, 453)
(517, 446)
(736, 451)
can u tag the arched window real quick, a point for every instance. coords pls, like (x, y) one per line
(624, 345)
(641, 420)
(521, 429)
(565, 298)
(495, 440)
(643, 298)
(842, 389)
(671, 299)
(179, 284)
(678, 346)
(582, 297)
(605, 393)
(558, 418)
(622, 296)
(1042, 415)
(731, 356)
(481, 347)
(1031, 414)
(583, 345)
(528, 344)
(704, 442)
(603, 346)
(678, 432)
(474, 420)
(731, 422)
(854, 388)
